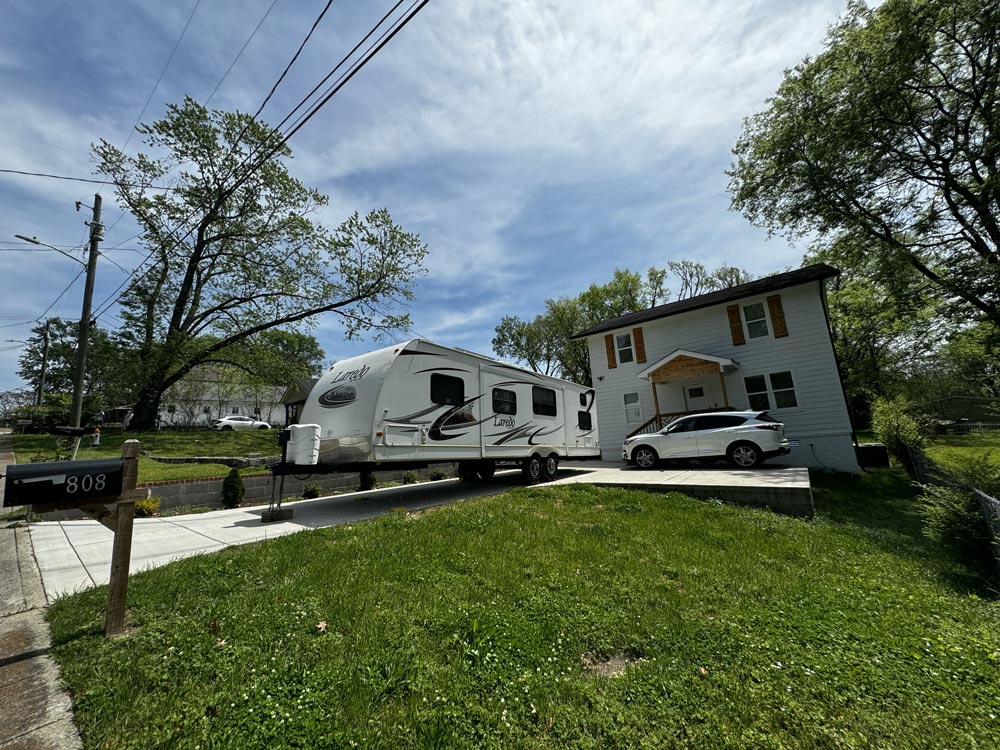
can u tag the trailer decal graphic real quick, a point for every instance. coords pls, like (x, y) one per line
(440, 369)
(340, 395)
(415, 414)
(441, 423)
(529, 430)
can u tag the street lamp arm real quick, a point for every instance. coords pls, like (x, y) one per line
(36, 241)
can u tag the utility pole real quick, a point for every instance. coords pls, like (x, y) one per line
(96, 235)
(45, 361)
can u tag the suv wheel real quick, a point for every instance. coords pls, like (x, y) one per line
(743, 455)
(645, 457)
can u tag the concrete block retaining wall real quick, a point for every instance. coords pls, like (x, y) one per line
(207, 493)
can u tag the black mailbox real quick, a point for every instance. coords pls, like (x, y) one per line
(63, 483)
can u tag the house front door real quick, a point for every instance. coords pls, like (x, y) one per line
(697, 396)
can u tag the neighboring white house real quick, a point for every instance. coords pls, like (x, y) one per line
(761, 345)
(210, 392)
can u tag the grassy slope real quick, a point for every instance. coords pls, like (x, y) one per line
(951, 451)
(468, 627)
(164, 443)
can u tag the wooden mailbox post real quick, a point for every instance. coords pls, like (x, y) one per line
(105, 490)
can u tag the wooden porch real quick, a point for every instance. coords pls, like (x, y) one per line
(678, 366)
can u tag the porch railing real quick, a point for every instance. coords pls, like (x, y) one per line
(660, 421)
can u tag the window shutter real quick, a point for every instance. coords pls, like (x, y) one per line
(736, 325)
(640, 345)
(778, 324)
(609, 346)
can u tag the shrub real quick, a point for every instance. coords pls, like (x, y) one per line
(311, 490)
(410, 477)
(148, 507)
(233, 489)
(898, 426)
(951, 517)
(367, 479)
(438, 474)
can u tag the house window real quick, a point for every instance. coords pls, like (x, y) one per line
(584, 420)
(623, 342)
(543, 401)
(756, 320)
(776, 388)
(633, 413)
(504, 401)
(447, 390)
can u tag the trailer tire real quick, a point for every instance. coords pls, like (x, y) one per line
(550, 468)
(487, 468)
(467, 471)
(532, 469)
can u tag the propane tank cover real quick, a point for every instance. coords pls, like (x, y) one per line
(303, 444)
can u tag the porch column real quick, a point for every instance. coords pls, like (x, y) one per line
(656, 404)
(722, 382)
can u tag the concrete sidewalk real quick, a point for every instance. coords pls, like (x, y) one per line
(37, 712)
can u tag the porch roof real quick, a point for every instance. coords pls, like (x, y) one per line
(678, 356)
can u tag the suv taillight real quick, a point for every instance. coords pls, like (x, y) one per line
(776, 427)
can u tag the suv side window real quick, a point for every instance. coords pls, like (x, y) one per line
(685, 425)
(718, 421)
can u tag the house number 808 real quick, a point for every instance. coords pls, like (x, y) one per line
(86, 483)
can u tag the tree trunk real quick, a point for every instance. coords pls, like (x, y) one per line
(147, 409)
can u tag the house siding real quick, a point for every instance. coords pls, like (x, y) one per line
(820, 422)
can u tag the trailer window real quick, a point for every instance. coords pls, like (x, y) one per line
(543, 401)
(447, 390)
(584, 421)
(504, 401)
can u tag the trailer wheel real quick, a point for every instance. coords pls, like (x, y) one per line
(550, 468)
(467, 471)
(532, 469)
(487, 468)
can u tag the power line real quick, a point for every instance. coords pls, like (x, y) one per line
(106, 305)
(81, 179)
(253, 165)
(61, 295)
(295, 57)
(162, 72)
(242, 49)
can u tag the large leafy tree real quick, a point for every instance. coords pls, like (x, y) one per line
(545, 344)
(890, 138)
(108, 372)
(880, 334)
(235, 249)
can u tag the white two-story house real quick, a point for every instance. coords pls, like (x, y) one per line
(763, 345)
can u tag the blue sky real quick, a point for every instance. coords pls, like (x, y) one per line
(534, 145)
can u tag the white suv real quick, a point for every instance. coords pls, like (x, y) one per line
(744, 437)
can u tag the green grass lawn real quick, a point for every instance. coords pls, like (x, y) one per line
(494, 624)
(951, 451)
(163, 443)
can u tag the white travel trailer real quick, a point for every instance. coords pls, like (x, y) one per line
(417, 403)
